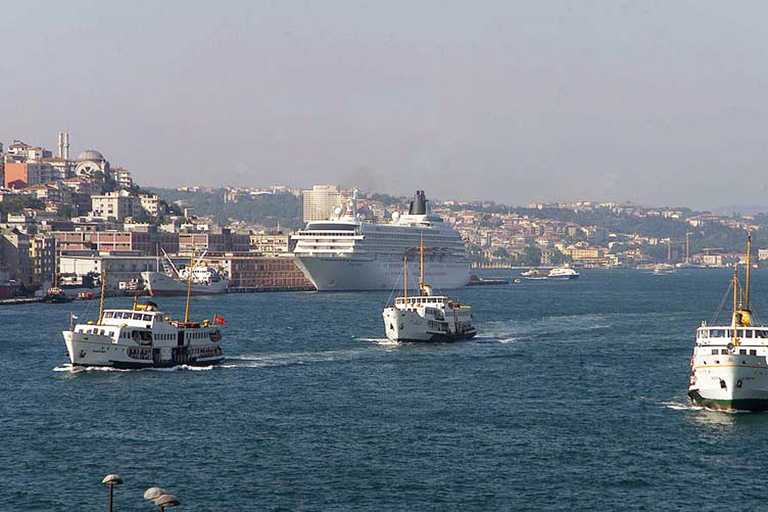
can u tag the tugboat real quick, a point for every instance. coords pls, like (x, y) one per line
(56, 295)
(426, 317)
(143, 337)
(729, 370)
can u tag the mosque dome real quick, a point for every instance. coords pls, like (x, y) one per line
(90, 154)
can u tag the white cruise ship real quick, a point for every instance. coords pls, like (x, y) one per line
(347, 253)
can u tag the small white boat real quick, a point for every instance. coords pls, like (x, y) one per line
(534, 273)
(563, 273)
(427, 317)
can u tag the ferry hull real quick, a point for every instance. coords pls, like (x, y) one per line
(738, 383)
(93, 350)
(160, 285)
(737, 404)
(408, 326)
(350, 274)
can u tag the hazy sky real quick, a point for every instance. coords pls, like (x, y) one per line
(656, 102)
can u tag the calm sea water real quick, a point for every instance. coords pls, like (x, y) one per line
(572, 397)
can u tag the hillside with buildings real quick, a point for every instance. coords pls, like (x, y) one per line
(67, 220)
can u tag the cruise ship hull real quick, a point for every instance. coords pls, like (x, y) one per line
(350, 274)
(160, 285)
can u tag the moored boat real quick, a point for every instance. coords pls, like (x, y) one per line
(174, 282)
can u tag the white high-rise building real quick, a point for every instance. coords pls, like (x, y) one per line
(319, 203)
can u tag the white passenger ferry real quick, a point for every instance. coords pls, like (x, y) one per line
(427, 317)
(562, 273)
(729, 370)
(348, 253)
(143, 337)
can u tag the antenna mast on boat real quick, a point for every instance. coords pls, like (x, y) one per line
(189, 283)
(103, 290)
(421, 263)
(749, 264)
(735, 285)
(405, 278)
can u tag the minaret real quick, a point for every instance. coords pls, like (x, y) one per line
(66, 145)
(61, 144)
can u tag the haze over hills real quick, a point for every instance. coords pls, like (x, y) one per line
(514, 102)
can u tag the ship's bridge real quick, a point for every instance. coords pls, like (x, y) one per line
(131, 318)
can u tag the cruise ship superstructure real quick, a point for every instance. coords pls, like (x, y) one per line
(348, 253)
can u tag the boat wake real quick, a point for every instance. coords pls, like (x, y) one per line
(67, 367)
(380, 341)
(682, 406)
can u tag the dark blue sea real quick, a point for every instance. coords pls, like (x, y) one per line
(572, 397)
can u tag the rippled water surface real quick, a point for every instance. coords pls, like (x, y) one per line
(571, 397)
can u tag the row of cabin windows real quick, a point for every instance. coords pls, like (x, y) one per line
(742, 352)
(103, 332)
(127, 315)
(728, 333)
(197, 335)
(421, 300)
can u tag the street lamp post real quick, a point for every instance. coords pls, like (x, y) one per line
(111, 480)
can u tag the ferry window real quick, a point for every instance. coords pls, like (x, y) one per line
(716, 333)
(714, 351)
(108, 314)
(137, 316)
(147, 318)
(750, 333)
(729, 333)
(753, 352)
(742, 351)
(760, 334)
(724, 352)
(740, 333)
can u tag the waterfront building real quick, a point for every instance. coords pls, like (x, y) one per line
(124, 268)
(14, 249)
(225, 241)
(320, 202)
(265, 243)
(147, 242)
(42, 253)
(254, 272)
